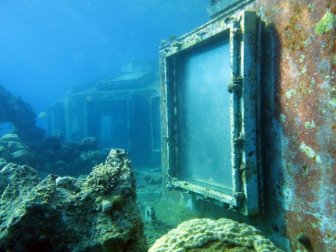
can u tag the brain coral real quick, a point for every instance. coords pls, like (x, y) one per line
(197, 234)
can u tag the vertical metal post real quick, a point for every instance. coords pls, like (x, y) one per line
(235, 87)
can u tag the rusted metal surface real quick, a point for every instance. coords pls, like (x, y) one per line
(302, 121)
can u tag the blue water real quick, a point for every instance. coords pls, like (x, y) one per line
(46, 48)
(49, 46)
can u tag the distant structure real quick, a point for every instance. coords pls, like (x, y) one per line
(122, 111)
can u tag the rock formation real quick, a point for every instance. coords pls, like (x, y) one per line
(50, 155)
(20, 114)
(97, 213)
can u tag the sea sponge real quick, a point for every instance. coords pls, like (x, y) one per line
(199, 233)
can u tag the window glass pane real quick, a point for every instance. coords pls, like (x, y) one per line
(204, 150)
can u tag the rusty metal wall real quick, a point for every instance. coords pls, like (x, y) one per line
(299, 118)
(298, 125)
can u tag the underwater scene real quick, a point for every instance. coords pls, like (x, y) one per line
(168, 126)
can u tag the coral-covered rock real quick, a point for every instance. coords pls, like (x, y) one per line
(114, 175)
(20, 114)
(2, 150)
(88, 159)
(213, 235)
(23, 157)
(69, 214)
(88, 143)
(51, 155)
(3, 162)
(61, 167)
(12, 149)
(12, 143)
(10, 137)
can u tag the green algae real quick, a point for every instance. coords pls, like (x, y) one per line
(326, 23)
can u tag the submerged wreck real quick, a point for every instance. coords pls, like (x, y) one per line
(247, 137)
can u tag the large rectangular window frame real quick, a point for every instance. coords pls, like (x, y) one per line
(244, 38)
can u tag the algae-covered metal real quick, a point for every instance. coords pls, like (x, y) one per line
(240, 33)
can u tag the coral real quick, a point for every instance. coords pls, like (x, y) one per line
(309, 152)
(202, 234)
(105, 177)
(22, 157)
(326, 23)
(67, 183)
(51, 155)
(65, 214)
(12, 149)
(10, 137)
(117, 202)
(61, 167)
(3, 163)
(111, 204)
(88, 143)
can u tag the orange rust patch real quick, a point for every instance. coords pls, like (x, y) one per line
(295, 30)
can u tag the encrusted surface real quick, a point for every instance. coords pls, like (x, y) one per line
(116, 170)
(300, 116)
(68, 214)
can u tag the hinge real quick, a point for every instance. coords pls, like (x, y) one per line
(237, 202)
(239, 141)
(235, 84)
(236, 29)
